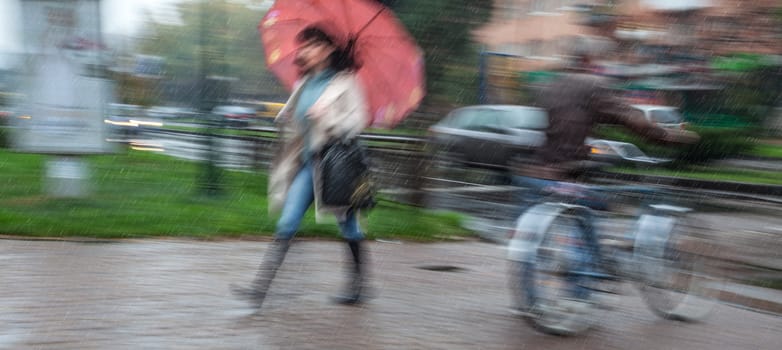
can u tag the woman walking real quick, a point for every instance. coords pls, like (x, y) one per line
(326, 105)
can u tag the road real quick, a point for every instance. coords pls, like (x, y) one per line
(173, 294)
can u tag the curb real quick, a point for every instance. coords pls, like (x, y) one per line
(729, 186)
(752, 297)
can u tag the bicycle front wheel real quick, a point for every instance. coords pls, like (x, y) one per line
(678, 280)
(549, 289)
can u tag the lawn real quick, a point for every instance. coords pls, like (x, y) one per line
(767, 150)
(142, 194)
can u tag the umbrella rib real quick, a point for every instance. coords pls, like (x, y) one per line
(370, 21)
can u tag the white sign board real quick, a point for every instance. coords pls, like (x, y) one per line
(64, 94)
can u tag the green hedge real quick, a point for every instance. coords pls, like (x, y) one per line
(715, 143)
(4, 137)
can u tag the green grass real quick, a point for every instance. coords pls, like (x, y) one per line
(142, 194)
(766, 151)
(398, 132)
(711, 173)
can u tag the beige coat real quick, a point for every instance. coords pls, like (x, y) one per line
(341, 111)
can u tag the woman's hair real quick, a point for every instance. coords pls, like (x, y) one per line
(341, 59)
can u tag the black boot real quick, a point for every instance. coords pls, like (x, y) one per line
(355, 291)
(256, 292)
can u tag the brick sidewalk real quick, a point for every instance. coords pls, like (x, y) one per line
(171, 294)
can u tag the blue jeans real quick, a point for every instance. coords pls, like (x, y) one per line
(539, 189)
(299, 198)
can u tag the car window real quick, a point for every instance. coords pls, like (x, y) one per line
(464, 119)
(481, 120)
(630, 150)
(232, 110)
(665, 116)
(484, 119)
(242, 110)
(523, 119)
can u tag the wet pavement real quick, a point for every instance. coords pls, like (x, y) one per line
(174, 294)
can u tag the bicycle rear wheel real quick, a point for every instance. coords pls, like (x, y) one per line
(548, 290)
(678, 280)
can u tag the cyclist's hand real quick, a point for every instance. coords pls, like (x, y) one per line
(681, 136)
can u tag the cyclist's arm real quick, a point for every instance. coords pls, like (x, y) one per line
(610, 109)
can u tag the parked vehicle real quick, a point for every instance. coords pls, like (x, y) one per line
(616, 152)
(235, 116)
(664, 116)
(168, 112)
(489, 136)
(126, 120)
(267, 111)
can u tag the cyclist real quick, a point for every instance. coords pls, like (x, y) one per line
(577, 101)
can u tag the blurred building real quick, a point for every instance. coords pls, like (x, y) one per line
(664, 45)
(536, 32)
(524, 37)
(702, 28)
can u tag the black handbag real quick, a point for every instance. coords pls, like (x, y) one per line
(345, 175)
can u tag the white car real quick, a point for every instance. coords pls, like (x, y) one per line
(489, 136)
(167, 112)
(129, 120)
(663, 116)
(620, 152)
(235, 116)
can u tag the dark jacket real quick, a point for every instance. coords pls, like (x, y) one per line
(575, 103)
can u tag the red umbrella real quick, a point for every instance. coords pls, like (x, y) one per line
(391, 64)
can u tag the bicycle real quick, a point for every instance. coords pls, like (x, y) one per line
(556, 272)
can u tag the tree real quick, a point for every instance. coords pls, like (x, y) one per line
(443, 29)
(216, 38)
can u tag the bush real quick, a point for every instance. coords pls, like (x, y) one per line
(5, 138)
(718, 143)
(715, 143)
(4, 142)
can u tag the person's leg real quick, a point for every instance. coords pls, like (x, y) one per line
(349, 227)
(351, 232)
(299, 198)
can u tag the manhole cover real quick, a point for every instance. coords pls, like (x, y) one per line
(441, 268)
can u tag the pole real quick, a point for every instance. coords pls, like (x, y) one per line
(210, 178)
(482, 77)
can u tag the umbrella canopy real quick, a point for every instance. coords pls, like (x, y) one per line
(391, 64)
